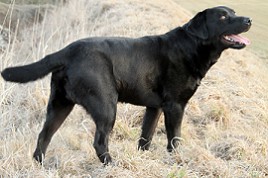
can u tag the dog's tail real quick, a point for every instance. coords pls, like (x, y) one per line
(34, 71)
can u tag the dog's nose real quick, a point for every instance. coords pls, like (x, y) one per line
(247, 21)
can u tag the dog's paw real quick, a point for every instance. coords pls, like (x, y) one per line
(105, 158)
(144, 144)
(39, 157)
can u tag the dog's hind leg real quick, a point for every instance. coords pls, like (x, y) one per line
(104, 125)
(98, 95)
(103, 112)
(57, 110)
(150, 121)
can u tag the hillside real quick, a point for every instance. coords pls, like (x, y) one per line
(225, 127)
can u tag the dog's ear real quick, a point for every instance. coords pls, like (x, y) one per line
(198, 26)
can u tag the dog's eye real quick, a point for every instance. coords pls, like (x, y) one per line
(223, 17)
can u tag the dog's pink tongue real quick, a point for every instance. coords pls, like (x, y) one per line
(240, 39)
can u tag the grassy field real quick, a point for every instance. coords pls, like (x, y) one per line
(225, 128)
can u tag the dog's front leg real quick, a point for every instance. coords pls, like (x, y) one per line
(150, 120)
(173, 118)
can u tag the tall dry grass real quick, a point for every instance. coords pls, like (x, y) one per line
(225, 125)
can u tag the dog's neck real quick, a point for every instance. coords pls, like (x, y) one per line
(199, 59)
(203, 58)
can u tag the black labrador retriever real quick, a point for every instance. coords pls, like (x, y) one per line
(159, 72)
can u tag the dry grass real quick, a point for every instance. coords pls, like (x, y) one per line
(225, 126)
(18, 17)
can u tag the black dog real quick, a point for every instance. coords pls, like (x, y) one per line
(159, 72)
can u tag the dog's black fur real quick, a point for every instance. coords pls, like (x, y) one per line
(159, 72)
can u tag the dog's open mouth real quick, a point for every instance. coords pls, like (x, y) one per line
(236, 41)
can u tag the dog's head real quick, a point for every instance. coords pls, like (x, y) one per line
(220, 24)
